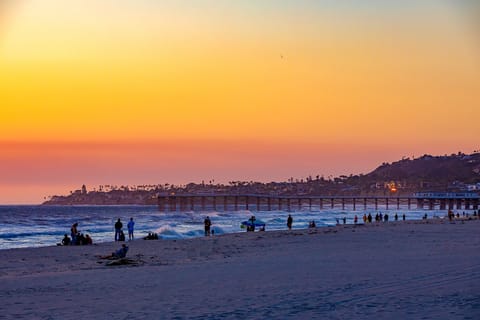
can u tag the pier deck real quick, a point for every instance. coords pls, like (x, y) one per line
(259, 202)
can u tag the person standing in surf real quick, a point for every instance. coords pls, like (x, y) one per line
(289, 222)
(207, 223)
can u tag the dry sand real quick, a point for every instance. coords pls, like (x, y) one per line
(397, 270)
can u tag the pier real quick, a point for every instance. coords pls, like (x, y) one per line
(258, 202)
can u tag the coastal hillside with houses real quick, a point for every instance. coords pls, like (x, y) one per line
(448, 173)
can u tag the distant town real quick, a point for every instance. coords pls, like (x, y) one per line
(448, 173)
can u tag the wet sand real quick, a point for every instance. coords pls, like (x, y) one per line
(397, 270)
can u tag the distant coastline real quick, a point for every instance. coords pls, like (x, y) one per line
(454, 173)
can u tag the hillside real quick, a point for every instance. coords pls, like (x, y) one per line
(454, 173)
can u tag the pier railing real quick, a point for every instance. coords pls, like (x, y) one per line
(259, 202)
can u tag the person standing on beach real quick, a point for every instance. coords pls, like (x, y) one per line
(289, 222)
(130, 229)
(118, 228)
(207, 223)
(73, 232)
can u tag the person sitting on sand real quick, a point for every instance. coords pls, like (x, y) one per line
(119, 254)
(66, 240)
(151, 236)
(80, 240)
(148, 237)
(88, 240)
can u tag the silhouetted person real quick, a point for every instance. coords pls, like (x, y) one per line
(403, 217)
(119, 254)
(118, 228)
(251, 227)
(369, 218)
(80, 240)
(66, 240)
(289, 222)
(73, 232)
(130, 226)
(207, 224)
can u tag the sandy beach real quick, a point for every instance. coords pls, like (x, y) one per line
(398, 270)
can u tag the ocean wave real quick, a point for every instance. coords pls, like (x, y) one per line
(22, 226)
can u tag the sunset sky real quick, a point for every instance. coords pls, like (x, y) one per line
(147, 92)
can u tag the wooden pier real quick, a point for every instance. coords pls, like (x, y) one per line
(258, 202)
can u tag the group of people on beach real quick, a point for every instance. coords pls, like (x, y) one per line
(151, 236)
(76, 237)
(379, 217)
(119, 235)
(451, 215)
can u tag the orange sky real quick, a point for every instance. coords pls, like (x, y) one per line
(133, 92)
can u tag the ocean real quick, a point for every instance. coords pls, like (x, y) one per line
(36, 226)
